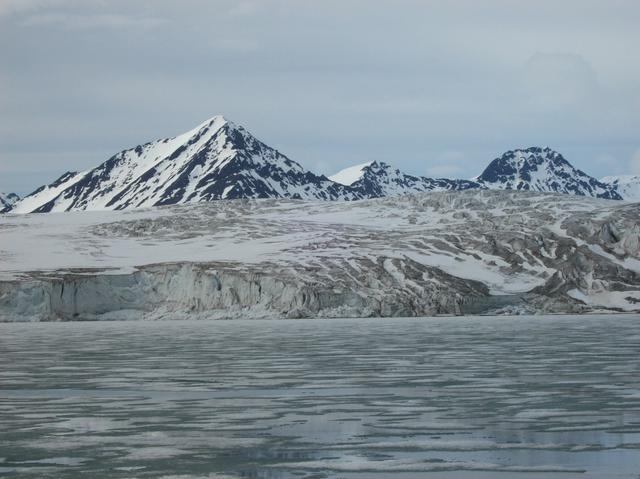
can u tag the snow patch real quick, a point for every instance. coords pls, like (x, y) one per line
(350, 175)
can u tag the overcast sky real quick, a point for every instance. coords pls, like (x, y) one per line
(435, 88)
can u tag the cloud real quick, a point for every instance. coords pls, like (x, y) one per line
(102, 20)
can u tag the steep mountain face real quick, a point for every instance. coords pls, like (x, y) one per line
(627, 186)
(542, 169)
(7, 202)
(378, 179)
(216, 160)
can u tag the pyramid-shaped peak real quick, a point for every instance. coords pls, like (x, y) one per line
(214, 123)
(208, 129)
(216, 119)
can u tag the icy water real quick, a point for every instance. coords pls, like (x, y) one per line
(543, 397)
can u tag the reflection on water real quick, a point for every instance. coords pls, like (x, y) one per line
(449, 397)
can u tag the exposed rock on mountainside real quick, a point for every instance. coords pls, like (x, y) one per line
(7, 202)
(627, 186)
(541, 169)
(221, 160)
(216, 160)
(377, 180)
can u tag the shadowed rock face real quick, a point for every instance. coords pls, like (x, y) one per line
(7, 202)
(456, 252)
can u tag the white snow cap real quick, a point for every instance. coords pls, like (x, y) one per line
(350, 175)
(213, 124)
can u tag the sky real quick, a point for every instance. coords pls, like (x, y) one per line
(435, 88)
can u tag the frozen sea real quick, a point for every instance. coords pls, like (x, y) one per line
(490, 397)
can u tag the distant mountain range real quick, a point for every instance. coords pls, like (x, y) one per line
(378, 179)
(221, 160)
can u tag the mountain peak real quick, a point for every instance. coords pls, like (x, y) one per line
(215, 160)
(541, 169)
(211, 126)
(217, 120)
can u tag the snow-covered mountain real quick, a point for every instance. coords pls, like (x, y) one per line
(542, 169)
(531, 169)
(7, 201)
(216, 160)
(221, 160)
(627, 186)
(378, 179)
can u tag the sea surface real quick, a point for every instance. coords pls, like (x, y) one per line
(473, 397)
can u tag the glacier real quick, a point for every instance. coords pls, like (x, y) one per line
(452, 252)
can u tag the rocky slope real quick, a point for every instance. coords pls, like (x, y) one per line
(627, 186)
(378, 179)
(542, 169)
(216, 160)
(7, 202)
(455, 252)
